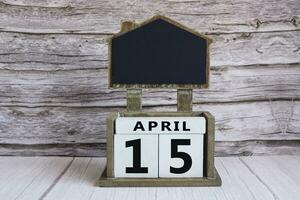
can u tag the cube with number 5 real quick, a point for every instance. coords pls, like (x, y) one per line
(181, 155)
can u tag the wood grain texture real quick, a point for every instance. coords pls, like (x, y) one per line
(61, 149)
(53, 73)
(241, 180)
(250, 178)
(89, 87)
(28, 178)
(274, 120)
(54, 52)
(78, 16)
(223, 148)
(79, 180)
(271, 174)
(237, 121)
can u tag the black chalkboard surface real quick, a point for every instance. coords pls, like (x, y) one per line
(158, 54)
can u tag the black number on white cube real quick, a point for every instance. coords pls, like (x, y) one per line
(187, 160)
(136, 163)
(181, 155)
(136, 156)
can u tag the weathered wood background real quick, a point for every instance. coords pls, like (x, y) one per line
(54, 96)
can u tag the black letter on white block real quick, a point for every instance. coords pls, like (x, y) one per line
(152, 124)
(139, 125)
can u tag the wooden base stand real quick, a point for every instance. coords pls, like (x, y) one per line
(104, 181)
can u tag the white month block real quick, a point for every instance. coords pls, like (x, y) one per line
(136, 156)
(160, 125)
(181, 155)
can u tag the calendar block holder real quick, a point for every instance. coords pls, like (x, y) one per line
(184, 106)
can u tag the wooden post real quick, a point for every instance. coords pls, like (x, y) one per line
(185, 100)
(134, 99)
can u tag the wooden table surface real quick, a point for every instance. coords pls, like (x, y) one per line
(276, 177)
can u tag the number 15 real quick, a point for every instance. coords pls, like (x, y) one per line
(136, 165)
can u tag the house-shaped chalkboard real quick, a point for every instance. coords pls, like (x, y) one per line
(159, 53)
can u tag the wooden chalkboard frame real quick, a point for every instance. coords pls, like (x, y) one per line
(210, 178)
(132, 26)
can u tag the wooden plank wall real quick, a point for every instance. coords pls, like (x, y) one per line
(54, 96)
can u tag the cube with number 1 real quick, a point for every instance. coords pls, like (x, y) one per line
(136, 156)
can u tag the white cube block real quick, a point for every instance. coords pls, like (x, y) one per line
(181, 155)
(136, 156)
(160, 125)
